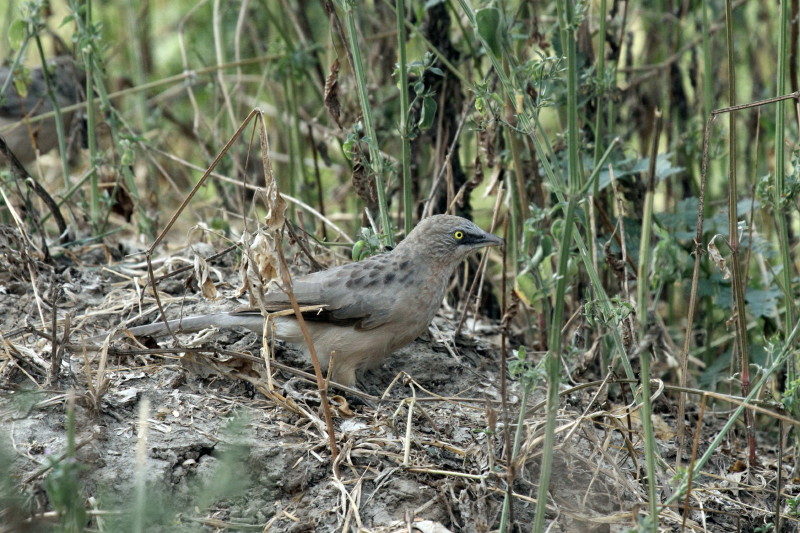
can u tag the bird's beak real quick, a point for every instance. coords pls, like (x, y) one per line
(490, 239)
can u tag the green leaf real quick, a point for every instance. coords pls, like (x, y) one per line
(368, 244)
(16, 34)
(22, 80)
(359, 250)
(128, 156)
(763, 302)
(640, 167)
(489, 27)
(429, 107)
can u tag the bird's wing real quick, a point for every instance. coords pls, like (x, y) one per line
(344, 305)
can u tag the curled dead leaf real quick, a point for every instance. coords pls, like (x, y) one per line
(332, 94)
(713, 252)
(202, 273)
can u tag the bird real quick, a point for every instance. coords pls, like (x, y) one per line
(371, 308)
(22, 137)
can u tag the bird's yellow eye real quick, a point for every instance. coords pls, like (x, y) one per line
(458, 235)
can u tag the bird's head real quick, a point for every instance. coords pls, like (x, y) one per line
(447, 239)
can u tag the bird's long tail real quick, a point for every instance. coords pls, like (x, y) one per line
(248, 320)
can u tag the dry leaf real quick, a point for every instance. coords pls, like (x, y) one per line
(364, 183)
(276, 205)
(341, 406)
(203, 276)
(332, 94)
(260, 264)
(264, 254)
(713, 252)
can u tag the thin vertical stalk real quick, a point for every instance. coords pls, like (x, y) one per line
(598, 119)
(529, 380)
(298, 174)
(643, 274)
(96, 89)
(138, 35)
(361, 83)
(516, 189)
(684, 356)
(600, 81)
(528, 386)
(506, 516)
(50, 84)
(91, 123)
(518, 197)
(780, 168)
(566, 23)
(552, 364)
(446, 63)
(219, 53)
(402, 73)
(642, 309)
(708, 65)
(737, 281)
(781, 218)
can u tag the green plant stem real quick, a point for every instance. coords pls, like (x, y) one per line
(601, 85)
(527, 388)
(599, 104)
(89, 36)
(293, 47)
(649, 441)
(59, 119)
(552, 366)
(91, 124)
(643, 275)
(402, 70)
(376, 159)
(566, 24)
(518, 197)
(708, 65)
(780, 169)
(300, 185)
(642, 310)
(516, 190)
(782, 219)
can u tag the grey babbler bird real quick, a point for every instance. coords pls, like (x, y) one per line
(372, 307)
(24, 137)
